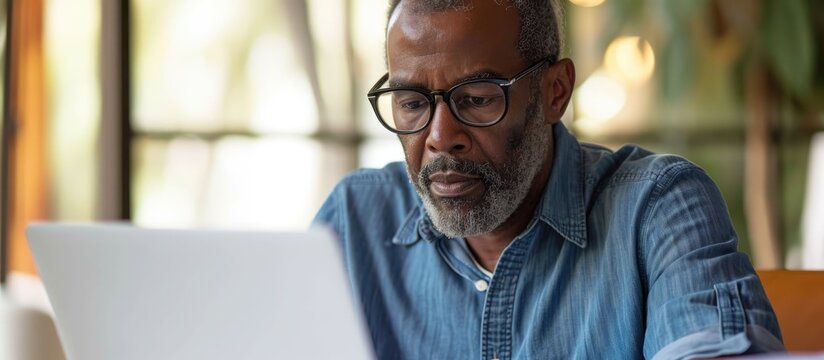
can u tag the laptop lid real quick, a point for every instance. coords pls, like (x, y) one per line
(121, 292)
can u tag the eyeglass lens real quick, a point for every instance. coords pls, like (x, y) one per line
(476, 103)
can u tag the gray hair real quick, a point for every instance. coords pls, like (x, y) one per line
(542, 23)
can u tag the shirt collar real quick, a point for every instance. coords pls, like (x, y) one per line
(408, 232)
(561, 207)
(563, 203)
(416, 226)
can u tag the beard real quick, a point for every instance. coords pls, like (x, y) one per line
(506, 187)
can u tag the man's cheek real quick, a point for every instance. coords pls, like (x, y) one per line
(411, 151)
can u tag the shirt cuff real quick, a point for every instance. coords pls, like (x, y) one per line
(709, 343)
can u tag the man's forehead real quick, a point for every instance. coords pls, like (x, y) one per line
(453, 44)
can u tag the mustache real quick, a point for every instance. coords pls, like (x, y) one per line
(447, 163)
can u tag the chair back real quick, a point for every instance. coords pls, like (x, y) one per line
(798, 300)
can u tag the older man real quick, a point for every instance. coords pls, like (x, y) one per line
(503, 237)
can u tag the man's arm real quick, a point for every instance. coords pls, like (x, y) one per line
(704, 297)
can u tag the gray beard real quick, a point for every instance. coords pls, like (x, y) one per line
(505, 189)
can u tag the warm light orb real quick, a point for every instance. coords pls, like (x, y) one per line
(630, 59)
(587, 3)
(600, 97)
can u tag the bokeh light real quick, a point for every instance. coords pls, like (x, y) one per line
(587, 3)
(631, 59)
(600, 97)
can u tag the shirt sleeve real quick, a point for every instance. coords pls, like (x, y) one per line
(704, 298)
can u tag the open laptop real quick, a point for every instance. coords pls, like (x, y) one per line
(121, 292)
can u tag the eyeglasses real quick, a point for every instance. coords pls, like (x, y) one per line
(477, 102)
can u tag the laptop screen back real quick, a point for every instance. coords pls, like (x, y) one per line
(121, 292)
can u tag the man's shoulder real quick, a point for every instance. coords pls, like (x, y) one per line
(632, 163)
(393, 173)
(375, 199)
(368, 185)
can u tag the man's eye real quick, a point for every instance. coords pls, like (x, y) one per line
(477, 101)
(411, 105)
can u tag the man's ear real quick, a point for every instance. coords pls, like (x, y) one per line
(558, 83)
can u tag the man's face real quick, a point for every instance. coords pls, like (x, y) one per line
(470, 179)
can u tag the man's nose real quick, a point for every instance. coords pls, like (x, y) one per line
(446, 133)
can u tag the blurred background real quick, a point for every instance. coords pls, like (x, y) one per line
(245, 113)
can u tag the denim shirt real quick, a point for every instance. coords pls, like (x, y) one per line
(629, 255)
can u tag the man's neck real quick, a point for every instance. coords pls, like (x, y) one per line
(487, 248)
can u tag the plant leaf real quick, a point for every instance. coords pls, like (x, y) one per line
(789, 44)
(677, 66)
(622, 15)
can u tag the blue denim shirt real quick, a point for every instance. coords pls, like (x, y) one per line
(629, 255)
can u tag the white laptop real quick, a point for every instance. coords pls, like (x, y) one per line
(121, 292)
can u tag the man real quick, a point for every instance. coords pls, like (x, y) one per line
(503, 237)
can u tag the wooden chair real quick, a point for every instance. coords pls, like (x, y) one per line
(798, 300)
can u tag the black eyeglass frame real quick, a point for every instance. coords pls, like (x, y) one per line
(505, 84)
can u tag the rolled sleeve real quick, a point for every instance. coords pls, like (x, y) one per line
(711, 343)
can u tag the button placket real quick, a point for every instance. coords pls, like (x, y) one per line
(496, 326)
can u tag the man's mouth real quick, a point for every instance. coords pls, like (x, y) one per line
(451, 184)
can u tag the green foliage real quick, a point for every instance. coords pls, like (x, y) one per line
(677, 66)
(681, 11)
(678, 55)
(789, 44)
(782, 35)
(623, 14)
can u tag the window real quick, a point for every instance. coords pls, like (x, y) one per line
(245, 113)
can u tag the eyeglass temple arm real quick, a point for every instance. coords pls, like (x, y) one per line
(528, 71)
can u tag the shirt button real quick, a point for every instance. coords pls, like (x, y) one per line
(481, 285)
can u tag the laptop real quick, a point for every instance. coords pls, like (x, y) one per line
(122, 292)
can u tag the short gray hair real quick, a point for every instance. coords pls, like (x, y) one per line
(542, 23)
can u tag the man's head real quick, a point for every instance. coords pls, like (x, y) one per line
(541, 30)
(475, 180)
